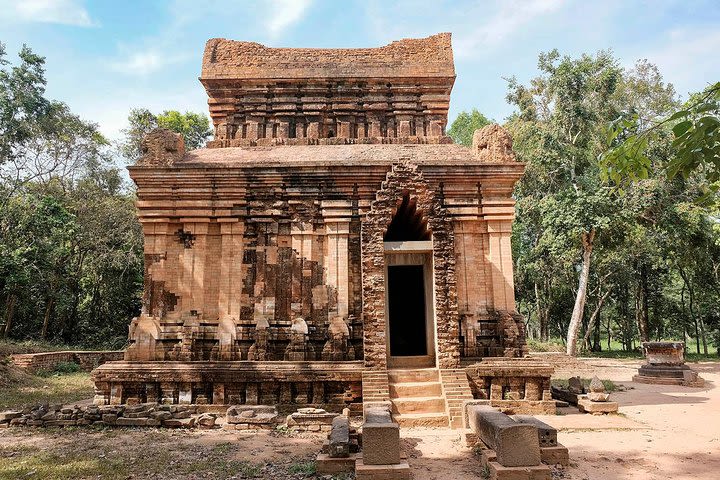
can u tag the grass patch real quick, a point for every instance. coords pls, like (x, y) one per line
(551, 345)
(59, 388)
(31, 462)
(305, 468)
(563, 383)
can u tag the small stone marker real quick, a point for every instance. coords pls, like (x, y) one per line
(515, 444)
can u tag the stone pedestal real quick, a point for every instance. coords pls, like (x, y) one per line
(666, 366)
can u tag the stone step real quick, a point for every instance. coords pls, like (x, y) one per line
(419, 405)
(415, 389)
(413, 375)
(421, 419)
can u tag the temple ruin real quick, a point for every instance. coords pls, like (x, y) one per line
(331, 245)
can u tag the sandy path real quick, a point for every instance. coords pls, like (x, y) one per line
(663, 432)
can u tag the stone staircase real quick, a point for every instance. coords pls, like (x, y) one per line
(456, 390)
(417, 397)
(375, 386)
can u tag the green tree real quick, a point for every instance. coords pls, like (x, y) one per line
(465, 124)
(557, 128)
(695, 141)
(194, 127)
(22, 101)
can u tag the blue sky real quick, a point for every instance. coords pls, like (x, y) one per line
(105, 57)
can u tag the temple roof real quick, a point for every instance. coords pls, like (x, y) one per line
(330, 155)
(407, 58)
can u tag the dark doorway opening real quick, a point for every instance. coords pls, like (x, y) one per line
(406, 309)
(408, 224)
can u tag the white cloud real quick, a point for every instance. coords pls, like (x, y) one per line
(284, 13)
(687, 57)
(140, 63)
(64, 12)
(510, 17)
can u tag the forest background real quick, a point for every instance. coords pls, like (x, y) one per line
(616, 240)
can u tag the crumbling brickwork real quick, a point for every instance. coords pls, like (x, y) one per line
(262, 96)
(406, 178)
(265, 253)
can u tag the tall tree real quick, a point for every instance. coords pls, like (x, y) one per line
(558, 128)
(465, 124)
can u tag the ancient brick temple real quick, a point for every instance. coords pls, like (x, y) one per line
(331, 245)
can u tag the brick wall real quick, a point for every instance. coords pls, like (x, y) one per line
(32, 362)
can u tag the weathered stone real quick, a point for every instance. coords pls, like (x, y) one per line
(340, 437)
(575, 385)
(586, 405)
(9, 415)
(206, 421)
(492, 143)
(547, 435)
(179, 422)
(109, 418)
(598, 397)
(666, 365)
(131, 422)
(515, 444)
(381, 443)
(324, 162)
(596, 385)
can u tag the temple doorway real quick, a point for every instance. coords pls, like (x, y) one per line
(409, 316)
(406, 309)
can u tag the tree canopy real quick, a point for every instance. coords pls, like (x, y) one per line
(194, 127)
(465, 124)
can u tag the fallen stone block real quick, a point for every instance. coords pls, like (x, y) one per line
(340, 437)
(547, 434)
(534, 472)
(131, 422)
(109, 418)
(515, 444)
(586, 405)
(206, 421)
(243, 414)
(179, 422)
(9, 415)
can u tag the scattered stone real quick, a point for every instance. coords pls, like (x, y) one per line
(206, 421)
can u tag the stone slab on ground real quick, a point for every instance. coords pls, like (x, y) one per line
(515, 444)
(586, 405)
(327, 465)
(398, 471)
(537, 472)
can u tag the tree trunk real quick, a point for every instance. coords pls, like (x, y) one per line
(578, 309)
(542, 313)
(703, 337)
(641, 305)
(691, 300)
(591, 323)
(46, 320)
(9, 314)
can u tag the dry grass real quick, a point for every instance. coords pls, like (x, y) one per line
(21, 390)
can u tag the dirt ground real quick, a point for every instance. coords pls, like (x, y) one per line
(662, 432)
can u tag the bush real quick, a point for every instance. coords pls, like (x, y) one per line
(67, 367)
